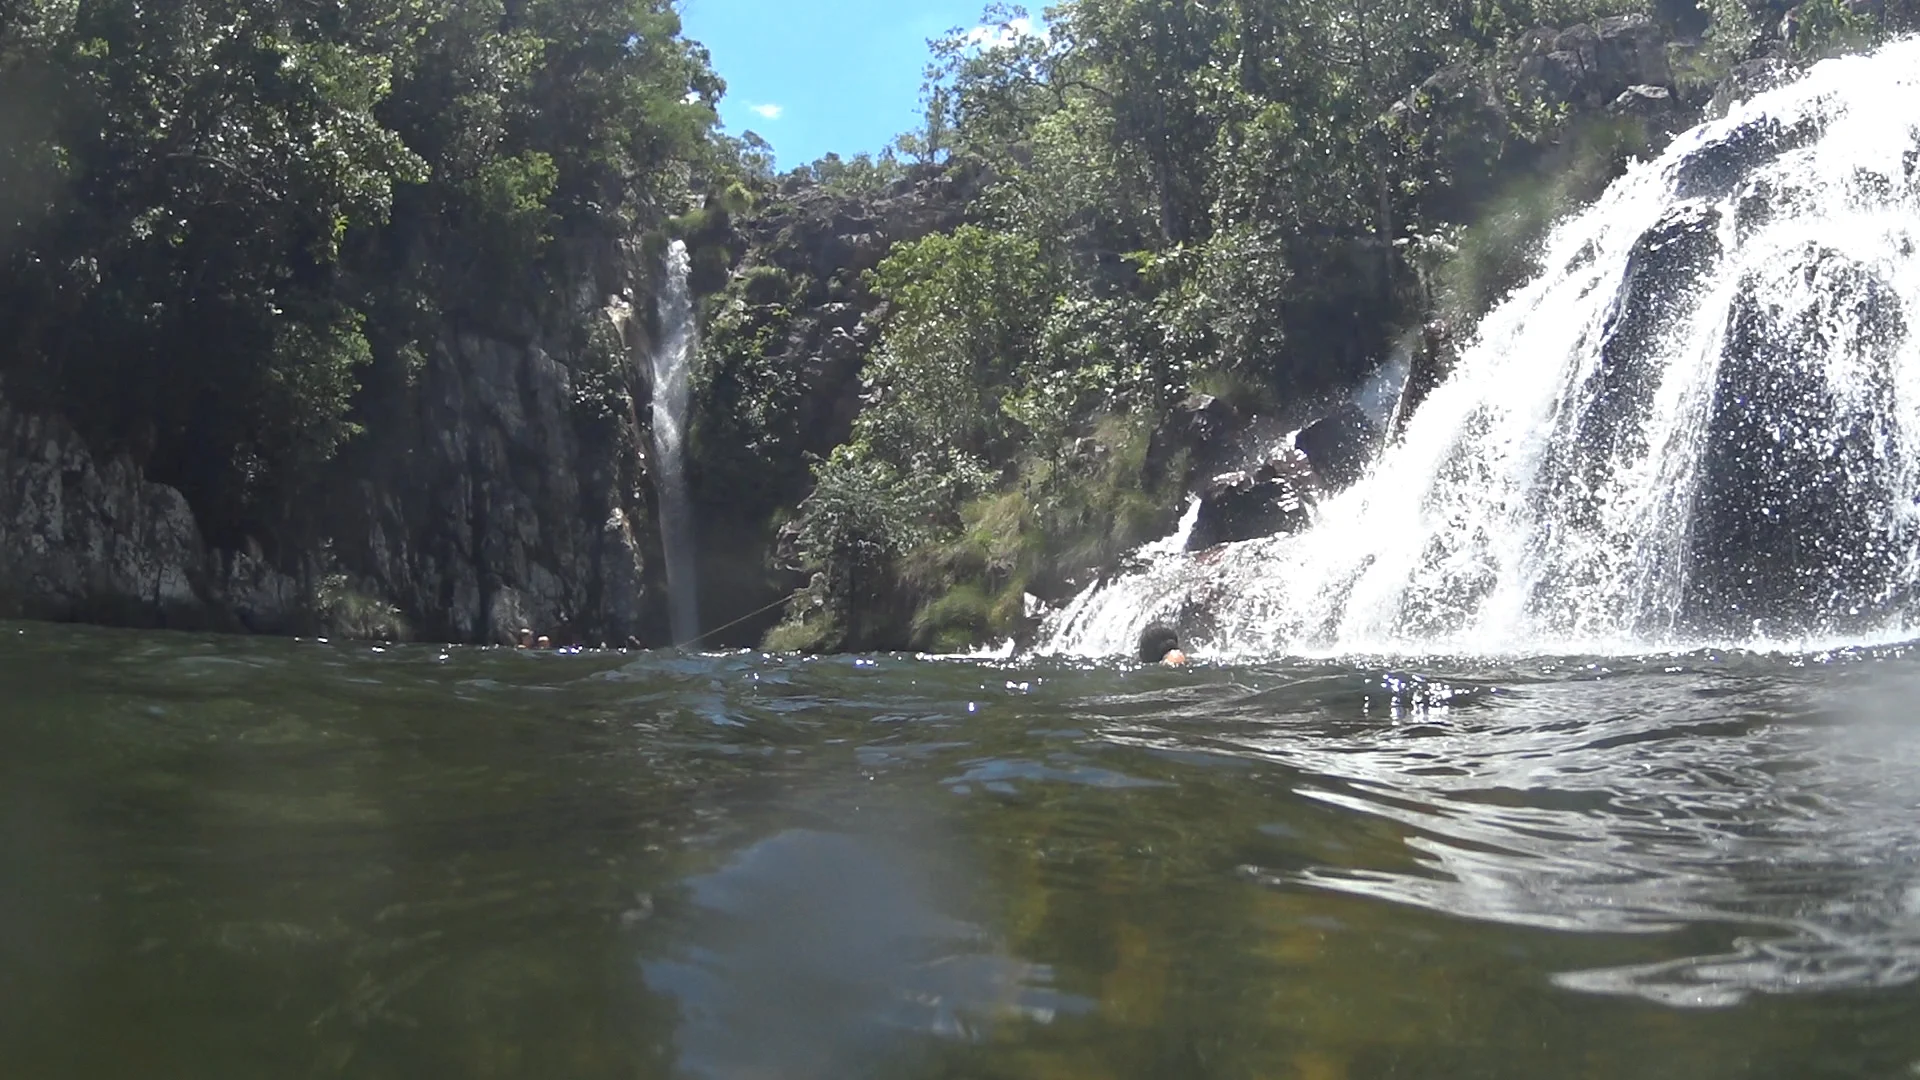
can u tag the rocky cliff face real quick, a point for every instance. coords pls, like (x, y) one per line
(504, 488)
(88, 539)
(506, 485)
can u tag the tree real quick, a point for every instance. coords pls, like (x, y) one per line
(220, 215)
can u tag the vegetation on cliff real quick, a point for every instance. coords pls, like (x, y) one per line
(224, 221)
(1253, 199)
(233, 234)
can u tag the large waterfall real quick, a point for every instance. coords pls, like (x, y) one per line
(671, 360)
(1700, 424)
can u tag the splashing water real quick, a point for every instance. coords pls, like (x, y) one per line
(670, 391)
(1700, 424)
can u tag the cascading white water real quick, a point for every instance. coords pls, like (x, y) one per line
(1700, 424)
(671, 361)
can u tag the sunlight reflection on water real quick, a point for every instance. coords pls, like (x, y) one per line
(1783, 810)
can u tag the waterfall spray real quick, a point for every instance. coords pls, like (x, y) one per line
(1699, 425)
(671, 361)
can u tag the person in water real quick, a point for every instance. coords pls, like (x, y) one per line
(1160, 644)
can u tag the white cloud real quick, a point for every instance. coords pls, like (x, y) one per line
(768, 112)
(1000, 35)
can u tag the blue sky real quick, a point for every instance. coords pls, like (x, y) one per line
(812, 76)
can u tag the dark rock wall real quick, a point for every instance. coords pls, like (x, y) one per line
(503, 488)
(489, 501)
(87, 539)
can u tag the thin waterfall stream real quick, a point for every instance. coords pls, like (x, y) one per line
(671, 361)
(1700, 424)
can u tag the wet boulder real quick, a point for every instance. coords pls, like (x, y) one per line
(1796, 523)
(1653, 301)
(1593, 64)
(1432, 361)
(1268, 501)
(1767, 200)
(1716, 169)
(1339, 446)
(1603, 421)
(1655, 103)
(1748, 79)
(1277, 496)
(1205, 427)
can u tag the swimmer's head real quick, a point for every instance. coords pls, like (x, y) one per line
(1158, 642)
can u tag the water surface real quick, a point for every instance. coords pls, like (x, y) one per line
(241, 858)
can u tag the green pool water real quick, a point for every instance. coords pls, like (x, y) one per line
(247, 858)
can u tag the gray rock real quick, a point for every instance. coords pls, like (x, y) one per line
(1798, 520)
(1240, 505)
(1593, 64)
(505, 503)
(1339, 446)
(1748, 79)
(1205, 427)
(1648, 101)
(88, 539)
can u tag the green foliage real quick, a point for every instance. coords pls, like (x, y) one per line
(513, 194)
(746, 438)
(1827, 27)
(959, 382)
(218, 218)
(809, 632)
(1245, 197)
(1247, 395)
(862, 517)
(863, 512)
(310, 388)
(1063, 514)
(861, 175)
(967, 308)
(957, 621)
(1813, 30)
(1732, 31)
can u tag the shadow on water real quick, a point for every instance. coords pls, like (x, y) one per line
(231, 858)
